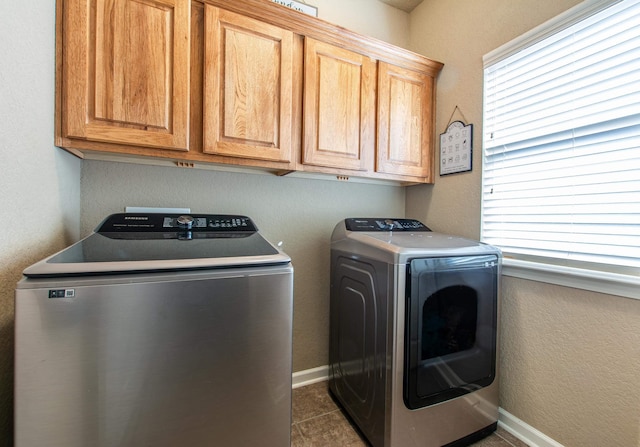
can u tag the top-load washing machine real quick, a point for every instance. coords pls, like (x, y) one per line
(413, 340)
(156, 330)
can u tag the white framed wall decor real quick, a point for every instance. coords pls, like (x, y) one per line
(456, 148)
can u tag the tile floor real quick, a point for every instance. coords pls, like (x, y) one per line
(319, 422)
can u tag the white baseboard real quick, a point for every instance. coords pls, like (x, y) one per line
(517, 427)
(523, 431)
(309, 376)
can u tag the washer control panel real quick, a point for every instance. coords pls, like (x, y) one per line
(148, 223)
(211, 223)
(384, 224)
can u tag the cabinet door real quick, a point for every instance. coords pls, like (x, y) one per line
(125, 74)
(339, 107)
(248, 82)
(405, 122)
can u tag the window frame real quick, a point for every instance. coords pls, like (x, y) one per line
(596, 280)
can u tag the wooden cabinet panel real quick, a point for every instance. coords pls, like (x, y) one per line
(126, 72)
(405, 122)
(339, 107)
(248, 83)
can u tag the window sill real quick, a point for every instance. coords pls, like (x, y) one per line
(610, 283)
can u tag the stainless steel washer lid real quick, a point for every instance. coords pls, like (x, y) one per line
(126, 243)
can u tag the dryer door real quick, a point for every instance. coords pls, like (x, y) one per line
(450, 336)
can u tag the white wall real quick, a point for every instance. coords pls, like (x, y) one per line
(368, 17)
(39, 184)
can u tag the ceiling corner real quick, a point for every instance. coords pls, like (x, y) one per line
(404, 5)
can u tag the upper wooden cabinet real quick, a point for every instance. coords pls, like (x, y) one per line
(125, 72)
(248, 87)
(245, 83)
(405, 122)
(339, 107)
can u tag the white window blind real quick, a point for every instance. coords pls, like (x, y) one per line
(561, 139)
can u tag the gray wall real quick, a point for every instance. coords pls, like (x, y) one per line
(300, 213)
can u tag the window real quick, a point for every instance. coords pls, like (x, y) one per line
(561, 139)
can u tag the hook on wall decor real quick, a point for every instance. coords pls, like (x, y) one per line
(454, 112)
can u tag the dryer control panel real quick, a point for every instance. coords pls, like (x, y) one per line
(384, 224)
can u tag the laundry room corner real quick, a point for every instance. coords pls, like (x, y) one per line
(538, 336)
(40, 184)
(300, 213)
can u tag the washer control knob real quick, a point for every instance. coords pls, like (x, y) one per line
(185, 222)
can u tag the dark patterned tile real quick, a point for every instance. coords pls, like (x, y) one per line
(318, 422)
(297, 440)
(492, 441)
(311, 401)
(332, 429)
(512, 440)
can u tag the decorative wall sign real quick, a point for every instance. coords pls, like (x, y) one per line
(298, 6)
(456, 148)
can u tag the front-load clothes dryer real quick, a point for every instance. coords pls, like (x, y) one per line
(414, 330)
